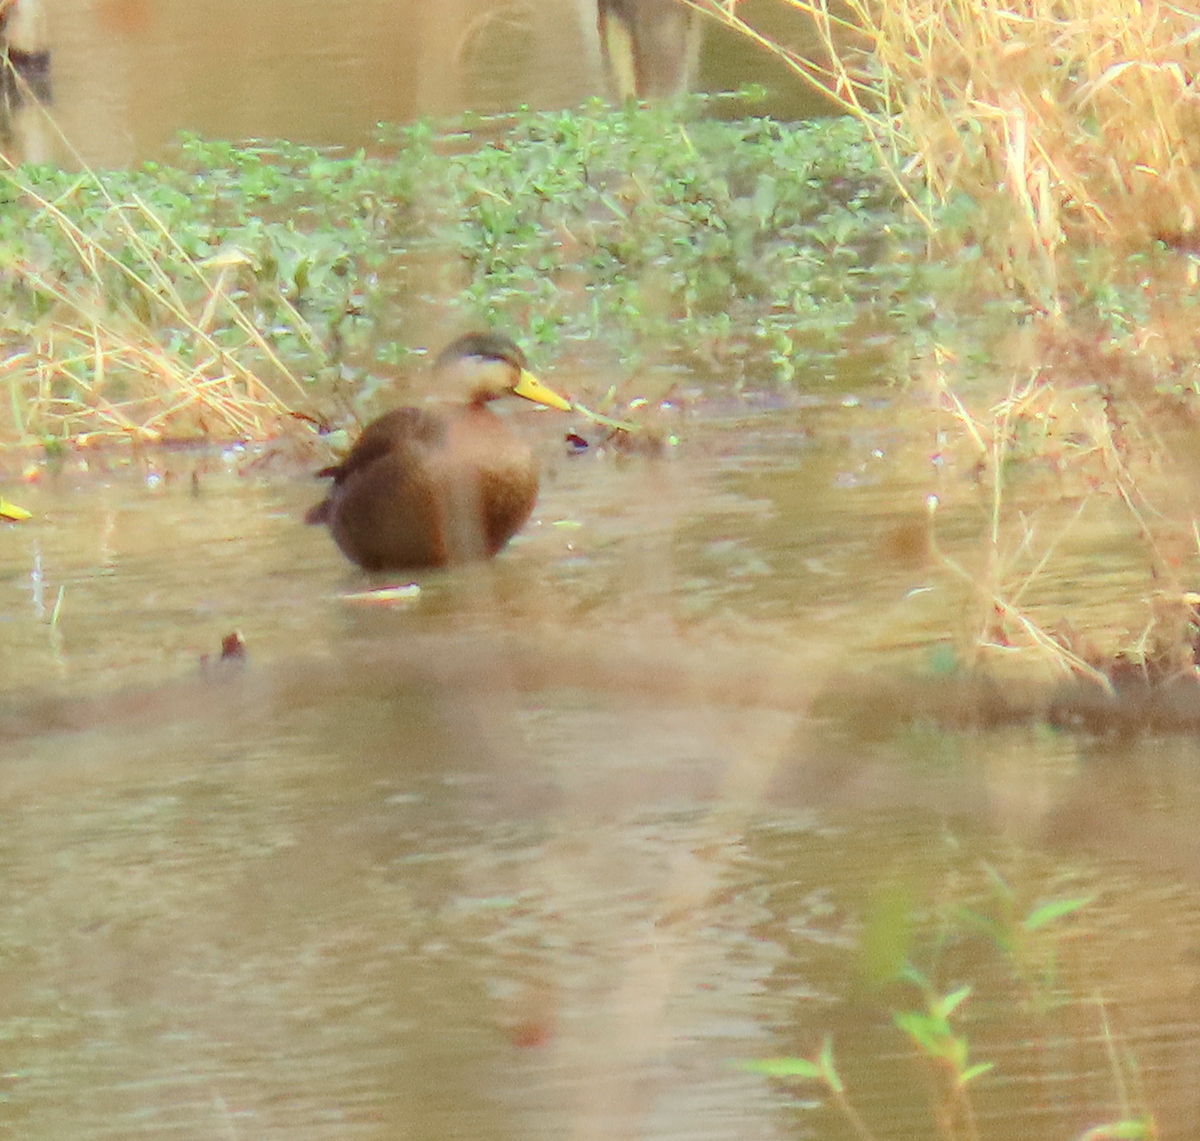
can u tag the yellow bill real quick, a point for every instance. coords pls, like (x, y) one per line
(12, 512)
(533, 389)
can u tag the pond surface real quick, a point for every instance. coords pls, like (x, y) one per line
(128, 75)
(548, 851)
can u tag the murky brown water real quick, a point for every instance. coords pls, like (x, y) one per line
(128, 75)
(549, 851)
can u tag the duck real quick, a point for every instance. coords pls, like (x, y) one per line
(434, 487)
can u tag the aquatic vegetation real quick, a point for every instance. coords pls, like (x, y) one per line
(939, 1026)
(945, 1051)
(252, 291)
(221, 293)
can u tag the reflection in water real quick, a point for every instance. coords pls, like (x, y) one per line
(523, 889)
(319, 71)
(129, 76)
(25, 35)
(651, 47)
(24, 79)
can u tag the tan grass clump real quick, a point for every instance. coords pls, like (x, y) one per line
(1060, 120)
(1089, 547)
(1054, 138)
(148, 368)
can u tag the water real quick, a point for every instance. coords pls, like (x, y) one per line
(128, 75)
(550, 850)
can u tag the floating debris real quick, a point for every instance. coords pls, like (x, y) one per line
(386, 596)
(233, 654)
(233, 646)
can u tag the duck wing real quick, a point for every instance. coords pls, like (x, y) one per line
(403, 430)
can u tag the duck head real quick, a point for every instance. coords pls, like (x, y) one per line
(488, 366)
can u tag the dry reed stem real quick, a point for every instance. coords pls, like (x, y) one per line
(1000, 603)
(1061, 119)
(1068, 127)
(848, 85)
(219, 395)
(1095, 457)
(173, 385)
(172, 374)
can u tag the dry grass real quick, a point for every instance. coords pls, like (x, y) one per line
(149, 368)
(1054, 138)
(1059, 119)
(98, 371)
(1089, 542)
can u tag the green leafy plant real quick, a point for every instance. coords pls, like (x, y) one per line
(934, 1018)
(223, 292)
(820, 1069)
(1028, 936)
(929, 1029)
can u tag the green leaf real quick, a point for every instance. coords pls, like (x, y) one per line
(1120, 1131)
(973, 1072)
(828, 1069)
(1046, 913)
(927, 1033)
(948, 1004)
(784, 1068)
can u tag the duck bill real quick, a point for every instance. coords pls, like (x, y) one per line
(533, 389)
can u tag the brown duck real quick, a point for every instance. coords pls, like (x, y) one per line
(425, 488)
